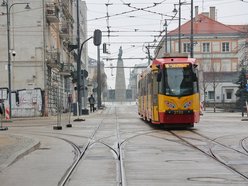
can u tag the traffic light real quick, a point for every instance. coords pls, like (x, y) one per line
(84, 74)
(97, 39)
(105, 48)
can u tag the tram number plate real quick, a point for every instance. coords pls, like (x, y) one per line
(178, 112)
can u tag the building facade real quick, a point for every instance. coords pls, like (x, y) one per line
(217, 50)
(41, 69)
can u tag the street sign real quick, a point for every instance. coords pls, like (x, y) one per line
(3, 93)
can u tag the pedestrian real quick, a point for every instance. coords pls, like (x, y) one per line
(1, 109)
(92, 101)
(201, 107)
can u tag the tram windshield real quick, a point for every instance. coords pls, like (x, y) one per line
(179, 80)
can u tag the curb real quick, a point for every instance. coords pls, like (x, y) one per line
(21, 153)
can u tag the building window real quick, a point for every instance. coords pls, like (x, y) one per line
(206, 47)
(225, 47)
(226, 65)
(210, 94)
(186, 47)
(229, 93)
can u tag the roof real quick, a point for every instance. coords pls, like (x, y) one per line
(206, 25)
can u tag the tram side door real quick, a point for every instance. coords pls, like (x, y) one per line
(155, 105)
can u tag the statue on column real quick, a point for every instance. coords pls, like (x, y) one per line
(120, 53)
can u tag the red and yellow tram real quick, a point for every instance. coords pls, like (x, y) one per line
(169, 92)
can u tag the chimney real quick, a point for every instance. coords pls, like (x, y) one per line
(212, 12)
(196, 11)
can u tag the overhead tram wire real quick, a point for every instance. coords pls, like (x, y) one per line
(145, 9)
(142, 9)
(107, 20)
(118, 14)
(135, 10)
(155, 43)
(148, 7)
(108, 23)
(108, 29)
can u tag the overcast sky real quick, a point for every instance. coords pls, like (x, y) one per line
(132, 28)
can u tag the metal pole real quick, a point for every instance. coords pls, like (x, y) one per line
(78, 64)
(192, 32)
(179, 28)
(8, 8)
(149, 55)
(83, 82)
(166, 36)
(98, 78)
(9, 58)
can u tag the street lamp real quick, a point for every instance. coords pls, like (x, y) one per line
(179, 25)
(166, 35)
(8, 8)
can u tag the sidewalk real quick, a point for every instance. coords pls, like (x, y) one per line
(13, 147)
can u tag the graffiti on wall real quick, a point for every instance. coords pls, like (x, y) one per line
(25, 102)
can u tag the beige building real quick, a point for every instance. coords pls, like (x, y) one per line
(217, 50)
(41, 38)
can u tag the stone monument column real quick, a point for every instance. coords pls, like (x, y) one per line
(120, 85)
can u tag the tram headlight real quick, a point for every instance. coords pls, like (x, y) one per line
(187, 104)
(170, 104)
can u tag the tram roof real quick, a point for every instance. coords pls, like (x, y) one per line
(174, 59)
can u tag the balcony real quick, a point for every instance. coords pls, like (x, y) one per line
(66, 11)
(66, 69)
(53, 59)
(52, 13)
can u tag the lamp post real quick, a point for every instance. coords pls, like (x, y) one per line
(179, 25)
(191, 30)
(8, 8)
(79, 92)
(166, 26)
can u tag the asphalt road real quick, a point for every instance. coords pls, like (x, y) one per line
(115, 147)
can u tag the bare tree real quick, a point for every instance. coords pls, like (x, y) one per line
(212, 78)
(203, 84)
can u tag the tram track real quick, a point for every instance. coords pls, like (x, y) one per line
(210, 151)
(90, 144)
(115, 148)
(80, 153)
(79, 149)
(243, 144)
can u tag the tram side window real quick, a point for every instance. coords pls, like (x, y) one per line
(160, 85)
(195, 80)
(155, 89)
(145, 87)
(142, 88)
(149, 85)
